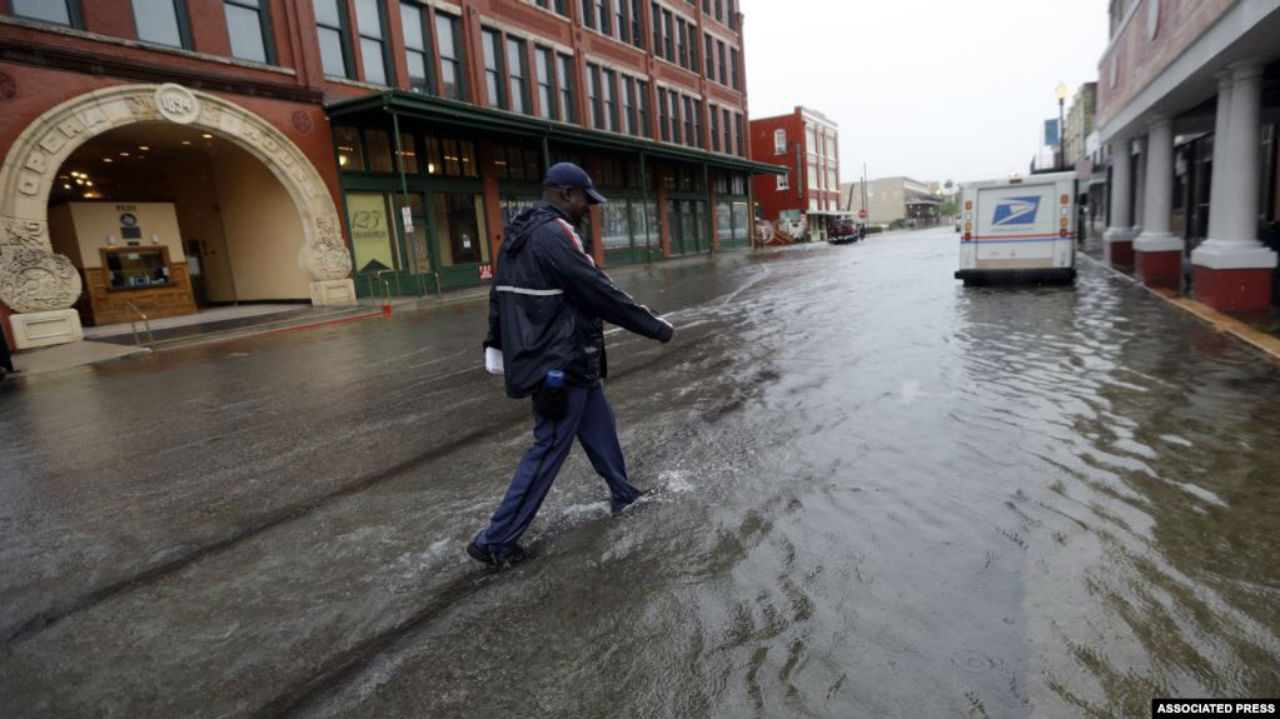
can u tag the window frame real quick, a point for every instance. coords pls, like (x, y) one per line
(75, 14)
(609, 98)
(735, 80)
(184, 25)
(715, 128)
(458, 60)
(594, 101)
(344, 39)
(548, 108)
(499, 68)
(522, 62)
(644, 113)
(780, 148)
(566, 86)
(388, 62)
(264, 23)
(427, 51)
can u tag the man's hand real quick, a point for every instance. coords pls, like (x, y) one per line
(667, 332)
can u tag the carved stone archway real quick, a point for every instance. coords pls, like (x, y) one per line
(34, 279)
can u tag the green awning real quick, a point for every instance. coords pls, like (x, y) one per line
(374, 108)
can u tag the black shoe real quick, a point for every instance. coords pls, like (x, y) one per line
(512, 556)
(619, 507)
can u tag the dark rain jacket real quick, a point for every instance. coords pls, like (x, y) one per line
(549, 301)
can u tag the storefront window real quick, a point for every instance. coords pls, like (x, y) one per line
(460, 228)
(372, 236)
(513, 205)
(350, 155)
(137, 268)
(617, 225)
(741, 222)
(408, 153)
(688, 227)
(724, 221)
(378, 146)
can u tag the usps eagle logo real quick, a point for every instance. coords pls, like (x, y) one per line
(1016, 211)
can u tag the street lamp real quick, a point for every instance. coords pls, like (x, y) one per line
(1060, 92)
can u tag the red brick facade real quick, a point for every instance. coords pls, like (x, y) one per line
(808, 145)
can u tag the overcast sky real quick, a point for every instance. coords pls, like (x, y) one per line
(931, 89)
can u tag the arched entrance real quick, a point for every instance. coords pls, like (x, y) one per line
(41, 286)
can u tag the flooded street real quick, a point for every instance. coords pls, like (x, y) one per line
(876, 493)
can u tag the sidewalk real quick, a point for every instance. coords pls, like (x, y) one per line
(223, 324)
(1259, 330)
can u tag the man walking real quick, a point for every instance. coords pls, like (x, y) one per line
(546, 312)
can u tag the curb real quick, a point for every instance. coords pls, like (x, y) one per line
(1261, 341)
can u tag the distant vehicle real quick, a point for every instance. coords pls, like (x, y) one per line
(1019, 230)
(841, 229)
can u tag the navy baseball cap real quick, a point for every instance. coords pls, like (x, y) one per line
(567, 174)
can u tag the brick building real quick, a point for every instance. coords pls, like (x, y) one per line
(174, 154)
(1188, 106)
(807, 143)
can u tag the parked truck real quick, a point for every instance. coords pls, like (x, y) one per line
(1019, 230)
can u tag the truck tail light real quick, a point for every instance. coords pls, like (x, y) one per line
(968, 237)
(1062, 232)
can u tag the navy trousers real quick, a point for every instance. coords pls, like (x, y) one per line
(589, 420)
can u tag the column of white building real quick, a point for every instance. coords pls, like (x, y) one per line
(1233, 269)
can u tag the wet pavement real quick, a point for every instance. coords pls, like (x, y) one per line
(876, 494)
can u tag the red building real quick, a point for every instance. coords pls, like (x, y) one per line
(166, 155)
(807, 143)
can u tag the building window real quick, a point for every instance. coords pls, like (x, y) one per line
(628, 105)
(642, 89)
(603, 13)
(331, 27)
(546, 88)
(689, 137)
(709, 58)
(784, 181)
(668, 36)
(518, 69)
(693, 48)
(624, 22)
(664, 127)
(493, 80)
(728, 131)
(682, 43)
(557, 5)
(637, 23)
(163, 22)
(715, 128)
(448, 38)
(249, 29)
(593, 95)
(697, 124)
(58, 12)
(674, 99)
(589, 13)
(610, 100)
(719, 11)
(779, 141)
(373, 47)
(733, 69)
(657, 29)
(350, 148)
(733, 16)
(568, 105)
(737, 131)
(720, 48)
(413, 20)
(460, 228)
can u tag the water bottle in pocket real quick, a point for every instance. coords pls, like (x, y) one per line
(551, 401)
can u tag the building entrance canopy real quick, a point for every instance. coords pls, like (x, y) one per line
(377, 110)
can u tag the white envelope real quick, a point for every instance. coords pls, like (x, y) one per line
(493, 360)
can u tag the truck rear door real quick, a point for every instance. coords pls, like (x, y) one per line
(1016, 226)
